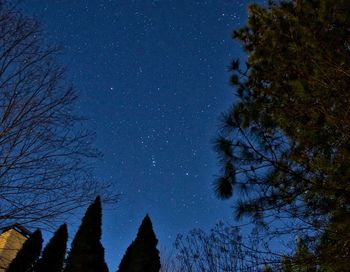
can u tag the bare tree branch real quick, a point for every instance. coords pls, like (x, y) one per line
(45, 152)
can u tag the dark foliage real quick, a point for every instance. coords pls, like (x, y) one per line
(87, 252)
(301, 261)
(28, 254)
(142, 255)
(285, 142)
(54, 253)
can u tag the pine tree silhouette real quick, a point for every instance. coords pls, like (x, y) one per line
(54, 253)
(142, 255)
(87, 252)
(28, 254)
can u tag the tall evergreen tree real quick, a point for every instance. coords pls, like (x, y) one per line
(28, 254)
(87, 252)
(52, 258)
(285, 142)
(333, 249)
(142, 255)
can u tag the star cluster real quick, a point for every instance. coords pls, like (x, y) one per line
(152, 78)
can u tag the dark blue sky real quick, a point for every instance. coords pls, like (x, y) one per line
(152, 77)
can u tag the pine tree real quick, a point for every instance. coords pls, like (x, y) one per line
(267, 269)
(301, 261)
(285, 142)
(28, 254)
(142, 255)
(52, 258)
(87, 252)
(334, 247)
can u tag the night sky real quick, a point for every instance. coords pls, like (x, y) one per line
(152, 78)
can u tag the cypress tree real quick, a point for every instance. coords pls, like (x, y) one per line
(28, 254)
(54, 253)
(87, 252)
(142, 255)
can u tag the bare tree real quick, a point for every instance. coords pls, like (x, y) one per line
(44, 150)
(168, 261)
(223, 249)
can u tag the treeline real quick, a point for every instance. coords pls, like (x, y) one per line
(222, 249)
(225, 249)
(86, 253)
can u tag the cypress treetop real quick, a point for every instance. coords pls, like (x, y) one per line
(28, 254)
(87, 252)
(54, 253)
(142, 255)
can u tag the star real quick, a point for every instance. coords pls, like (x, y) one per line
(154, 163)
(166, 64)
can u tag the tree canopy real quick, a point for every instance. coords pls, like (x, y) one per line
(142, 255)
(87, 252)
(28, 254)
(284, 144)
(54, 253)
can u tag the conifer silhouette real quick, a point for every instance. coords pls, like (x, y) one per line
(54, 253)
(87, 252)
(142, 255)
(28, 254)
